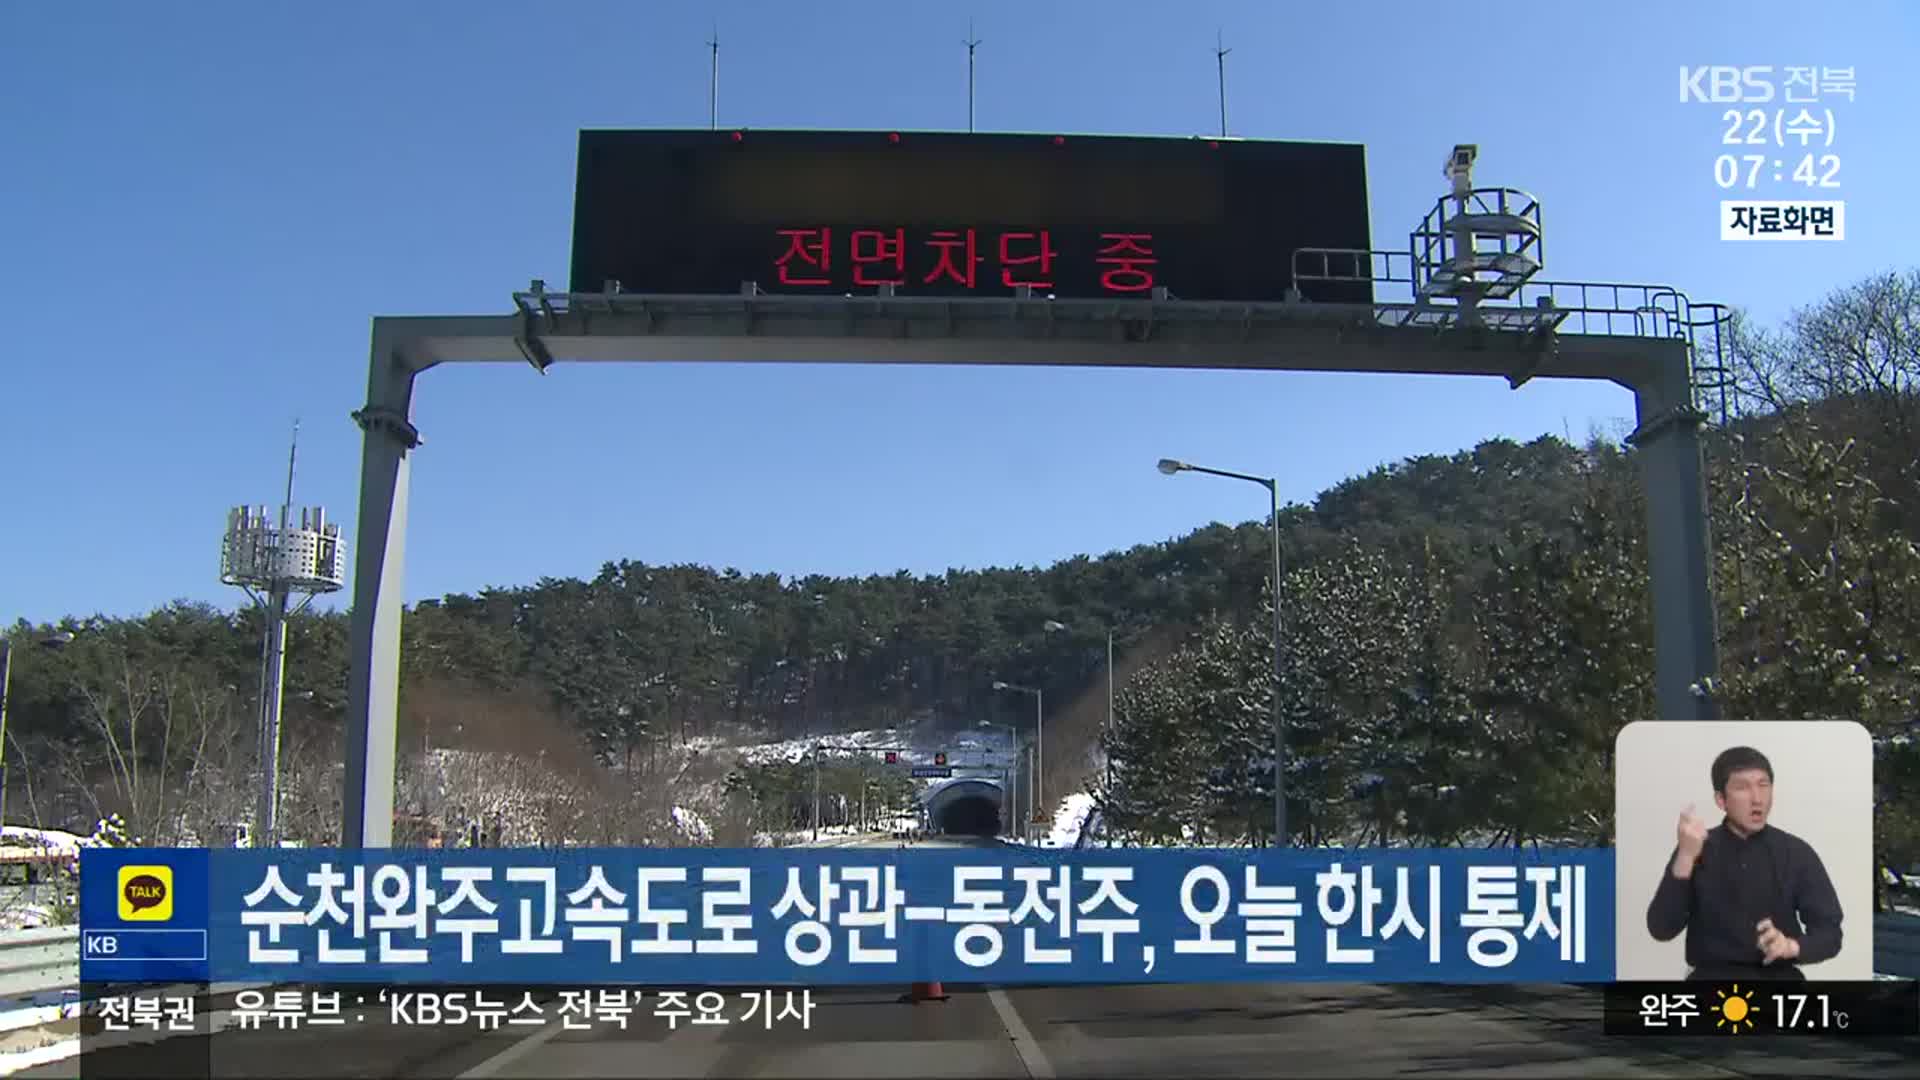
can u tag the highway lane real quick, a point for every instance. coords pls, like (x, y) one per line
(1217, 1031)
(1211, 1030)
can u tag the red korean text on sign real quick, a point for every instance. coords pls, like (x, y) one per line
(1026, 258)
(879, 258)
(1128, 258)
(813, 248)
(957, 257)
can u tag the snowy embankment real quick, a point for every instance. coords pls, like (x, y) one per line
(1069, 817)
(18, 841)
(25, 907)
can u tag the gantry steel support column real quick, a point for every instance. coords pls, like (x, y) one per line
(373, 688)
(1679, 540)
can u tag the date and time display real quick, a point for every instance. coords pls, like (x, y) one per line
(1778, 127)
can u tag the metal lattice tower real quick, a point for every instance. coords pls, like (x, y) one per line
(272, 563)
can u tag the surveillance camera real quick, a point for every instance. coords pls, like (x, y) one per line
(1462, 157)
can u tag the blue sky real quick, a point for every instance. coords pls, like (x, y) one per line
(202, 205)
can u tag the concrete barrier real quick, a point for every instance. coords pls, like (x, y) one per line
(1896, 945)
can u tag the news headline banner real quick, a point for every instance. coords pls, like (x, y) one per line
(808, 917)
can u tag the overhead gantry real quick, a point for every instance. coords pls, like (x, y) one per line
(1475, 311)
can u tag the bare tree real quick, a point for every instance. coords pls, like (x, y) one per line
(174, 750)
(1860, 346)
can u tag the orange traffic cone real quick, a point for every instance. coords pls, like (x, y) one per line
(924, 991)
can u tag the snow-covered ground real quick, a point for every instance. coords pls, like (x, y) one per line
(17, 840)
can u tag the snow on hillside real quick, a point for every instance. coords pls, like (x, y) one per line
(704, 744)
(1069, 817)
(692, 825)
(987, 748)
(1068, 820)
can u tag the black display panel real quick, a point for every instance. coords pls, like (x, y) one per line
(828, 212)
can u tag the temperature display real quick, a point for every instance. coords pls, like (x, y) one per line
(1854, 1010)
(1813, 1012)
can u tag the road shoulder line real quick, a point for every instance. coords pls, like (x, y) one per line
(1037, 1065)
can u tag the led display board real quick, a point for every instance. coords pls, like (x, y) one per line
(949, 215)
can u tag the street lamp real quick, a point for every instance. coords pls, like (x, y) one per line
(1170, 466)
(1106, 733)
(51, 641)
(816, 792)
(1039, 741)
(1012, 772)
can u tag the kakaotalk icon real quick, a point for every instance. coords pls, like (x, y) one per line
(146, 893)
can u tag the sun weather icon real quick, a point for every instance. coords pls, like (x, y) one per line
(1735, 1009)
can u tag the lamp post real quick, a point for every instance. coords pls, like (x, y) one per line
(1012, 772)
(1039, 742)
(1106, 731)
(1171, 467)
(51, 641)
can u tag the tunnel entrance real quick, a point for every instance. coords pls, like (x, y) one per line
(968, 815)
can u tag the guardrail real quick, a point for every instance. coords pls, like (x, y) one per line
(39, 961)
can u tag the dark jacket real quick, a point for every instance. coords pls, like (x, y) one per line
(1739, 881)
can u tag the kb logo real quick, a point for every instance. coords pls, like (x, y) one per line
(146, 893)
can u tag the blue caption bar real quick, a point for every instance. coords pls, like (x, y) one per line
(812, 917)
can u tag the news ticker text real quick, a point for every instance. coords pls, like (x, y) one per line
(177, 1009)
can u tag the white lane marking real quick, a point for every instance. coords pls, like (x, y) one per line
(1038, 1067)
(515, 1052)
(50, 1054)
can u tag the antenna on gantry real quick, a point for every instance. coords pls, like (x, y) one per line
(293, 454)
(713, 79)
(1220, 52)
(971, 43)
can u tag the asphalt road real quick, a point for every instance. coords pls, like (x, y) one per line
(1211, 1030)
